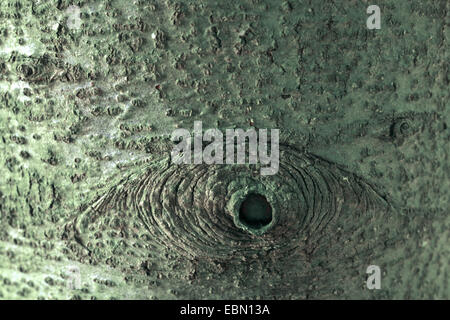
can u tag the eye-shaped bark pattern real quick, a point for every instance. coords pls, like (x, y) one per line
(43, 69)
(195, 210)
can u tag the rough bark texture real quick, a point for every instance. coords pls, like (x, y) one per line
(90, 92)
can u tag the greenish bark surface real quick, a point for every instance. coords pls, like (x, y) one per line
(90, 92)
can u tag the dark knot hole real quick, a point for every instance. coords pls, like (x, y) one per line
(255, 211)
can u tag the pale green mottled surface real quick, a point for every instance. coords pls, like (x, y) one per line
(90, 91)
